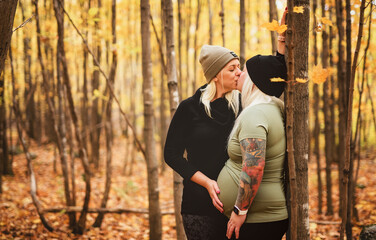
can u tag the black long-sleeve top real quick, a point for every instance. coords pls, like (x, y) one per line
(205, 140)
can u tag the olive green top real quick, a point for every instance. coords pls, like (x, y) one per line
(263, 121)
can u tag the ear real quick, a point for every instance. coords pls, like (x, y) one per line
(215, 79)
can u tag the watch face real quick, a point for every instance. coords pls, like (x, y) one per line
(236, 210)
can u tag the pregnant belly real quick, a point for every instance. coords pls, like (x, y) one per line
(228, 185)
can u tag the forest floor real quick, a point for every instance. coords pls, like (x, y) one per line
(19, 219)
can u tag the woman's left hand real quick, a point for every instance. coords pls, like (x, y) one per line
(234, 224)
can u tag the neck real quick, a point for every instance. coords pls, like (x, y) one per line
(220, 93)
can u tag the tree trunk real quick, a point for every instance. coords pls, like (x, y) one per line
(300, 33)
(155, 219)
(181, 22)
(33, 184)
(273, 15)
(242, 33)
(210, 24)
(316, 107)
(58, 7)
(108, 126)
(7, 12)
(188, 80)
(194, 82)
(348, 166)
(327, 114)
(222, 15)
(174, 102)
(341, 75)
(29, 87)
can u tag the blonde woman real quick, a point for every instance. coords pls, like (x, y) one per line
(201, 126)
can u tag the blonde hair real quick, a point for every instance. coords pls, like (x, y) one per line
(209, 92)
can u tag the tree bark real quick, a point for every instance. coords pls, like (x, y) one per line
(108, 124)
(327, 114)
(210, 24)
(194, 82)
(348, 166)
(300, 29)
(174, 102)
(7, 12)
(155, 220)
(33, 184)
(316, 107)
(80, 227)
(222, 15)
(188, 80)
(273, 15)
(242, 33)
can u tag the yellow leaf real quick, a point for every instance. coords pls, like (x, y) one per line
(93, 11)
(301, 80)
(36, 220)
(272, 26)
(282, 29)
(299, 9)
(277, 80)
(326, 21)
(318, 74)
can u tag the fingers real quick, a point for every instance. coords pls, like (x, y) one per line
(237, 230)
(230, 229)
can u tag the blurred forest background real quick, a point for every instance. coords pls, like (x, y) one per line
(82, 130)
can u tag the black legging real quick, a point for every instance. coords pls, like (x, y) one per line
(263, 231)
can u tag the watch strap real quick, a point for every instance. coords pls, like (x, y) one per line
(239, 212)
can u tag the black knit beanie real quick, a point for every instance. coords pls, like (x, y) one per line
(262, 68)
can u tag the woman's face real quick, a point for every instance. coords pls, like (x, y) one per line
(227, 78)
(242, 78)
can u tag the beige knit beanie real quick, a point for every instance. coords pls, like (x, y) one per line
(213, 59)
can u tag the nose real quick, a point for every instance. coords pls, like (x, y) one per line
(238, 71)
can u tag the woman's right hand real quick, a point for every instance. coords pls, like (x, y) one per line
(211, 186)
(213, 191)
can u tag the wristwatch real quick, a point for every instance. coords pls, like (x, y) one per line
(239, 212)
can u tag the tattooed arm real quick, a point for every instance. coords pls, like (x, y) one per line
(253, 154)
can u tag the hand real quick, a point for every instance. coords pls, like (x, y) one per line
(234, 224)
(283, 21)
(213, 191)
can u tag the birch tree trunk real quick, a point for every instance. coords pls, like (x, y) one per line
(210, 24)
(155, 218)
(174, 102)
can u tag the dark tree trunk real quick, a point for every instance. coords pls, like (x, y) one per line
(242, 33)
(273, 15)
(222, 15)
(7, 12)
(316, 107)
(327, 114)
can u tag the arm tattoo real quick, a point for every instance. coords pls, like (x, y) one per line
(253, 153)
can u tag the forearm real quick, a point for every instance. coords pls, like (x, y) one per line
(200, 179)
(253, 151)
